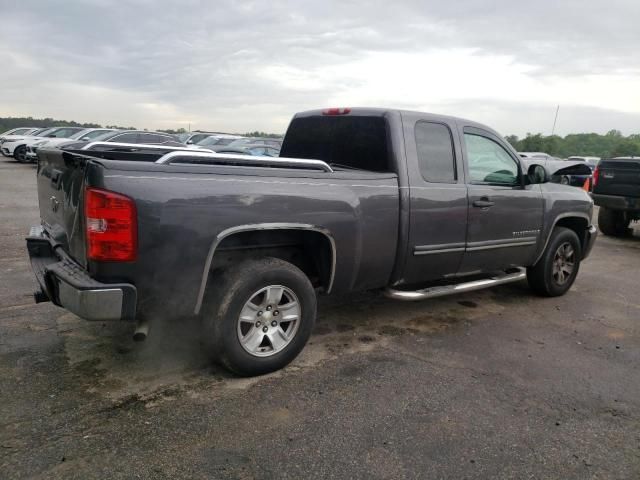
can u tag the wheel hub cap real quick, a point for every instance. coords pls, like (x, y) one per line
(269, 321)
(563, 263)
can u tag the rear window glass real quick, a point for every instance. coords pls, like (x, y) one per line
(352, 141)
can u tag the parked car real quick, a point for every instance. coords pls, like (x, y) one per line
(18, 131)
(218, 140)
(17, 148)
(591, 161)
(272, 142)
(84, 135)
(192, 138)
(15, 137)
(417, 204)
(616, 190)
(264, 150)
(566, 177)
(136, 137)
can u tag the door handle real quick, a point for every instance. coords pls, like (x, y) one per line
(484, 202)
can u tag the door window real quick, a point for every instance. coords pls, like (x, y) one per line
(489, 162)
(435, 152)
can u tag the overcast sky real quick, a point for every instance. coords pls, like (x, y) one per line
(242, 65)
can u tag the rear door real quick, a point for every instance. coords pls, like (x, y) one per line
(504, 215)
(438, 199)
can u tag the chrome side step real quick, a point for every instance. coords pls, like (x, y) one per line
(434, 292)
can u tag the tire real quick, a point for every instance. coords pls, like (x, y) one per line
(550, 277)
(612, 222)
(237, 313)
(20, 154)
(564, 180)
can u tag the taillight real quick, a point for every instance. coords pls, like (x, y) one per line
(336, 111)
(111, 226)
(595, 176)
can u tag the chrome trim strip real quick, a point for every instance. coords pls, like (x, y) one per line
(262, 226)
(442, 246)
(441, 291)
(250, 160)
(146, 146)
(500, 245)
(432, 252)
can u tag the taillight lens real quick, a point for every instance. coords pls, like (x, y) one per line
(336, 111)
(595, 176)
(111, 226)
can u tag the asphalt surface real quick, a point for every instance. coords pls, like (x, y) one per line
(492, 384)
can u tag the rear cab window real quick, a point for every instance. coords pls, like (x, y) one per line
(345, 142)
(434, 145)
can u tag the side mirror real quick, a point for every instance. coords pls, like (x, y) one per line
(189, 142)
(537, 174)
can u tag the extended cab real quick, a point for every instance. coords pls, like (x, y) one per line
(616, 190)
(416, 204)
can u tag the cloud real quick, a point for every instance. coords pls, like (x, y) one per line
(242, 65)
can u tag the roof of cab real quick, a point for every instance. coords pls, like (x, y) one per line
(409, 114)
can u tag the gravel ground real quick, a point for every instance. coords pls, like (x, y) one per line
(491, 384)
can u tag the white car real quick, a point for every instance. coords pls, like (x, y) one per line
(18, 131)
(31, 132)
(83, 135)
(17, 148)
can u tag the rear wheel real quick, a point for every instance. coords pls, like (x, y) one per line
(556, 271)
(259, 315)
(612, 222)
(564, 180)
(20, 154)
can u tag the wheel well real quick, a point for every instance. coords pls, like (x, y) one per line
(311, 251)
(578, 224)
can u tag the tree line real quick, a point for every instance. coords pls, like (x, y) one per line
(8, 123)
(611, 144)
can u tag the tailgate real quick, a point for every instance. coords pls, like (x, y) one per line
(619, 177)
(61, 177)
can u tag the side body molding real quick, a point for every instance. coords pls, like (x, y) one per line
(262, 226)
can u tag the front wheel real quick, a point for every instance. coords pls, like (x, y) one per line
(259, 315)
(558, 267)
(20, 154)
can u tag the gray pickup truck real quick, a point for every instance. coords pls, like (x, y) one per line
(415, 204)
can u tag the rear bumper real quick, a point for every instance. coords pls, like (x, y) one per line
(589, 241)
(68, 285)
(616, 202)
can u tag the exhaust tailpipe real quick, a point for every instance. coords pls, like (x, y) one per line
(141, 331)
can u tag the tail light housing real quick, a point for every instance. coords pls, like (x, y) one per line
(111, 226)
(595, 176)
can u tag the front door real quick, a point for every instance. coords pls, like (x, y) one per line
(438, 199)
(504, 213)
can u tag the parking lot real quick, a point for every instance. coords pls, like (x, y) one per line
(491, 384)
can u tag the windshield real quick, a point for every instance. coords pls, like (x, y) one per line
(43, 132)
(183, 137)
